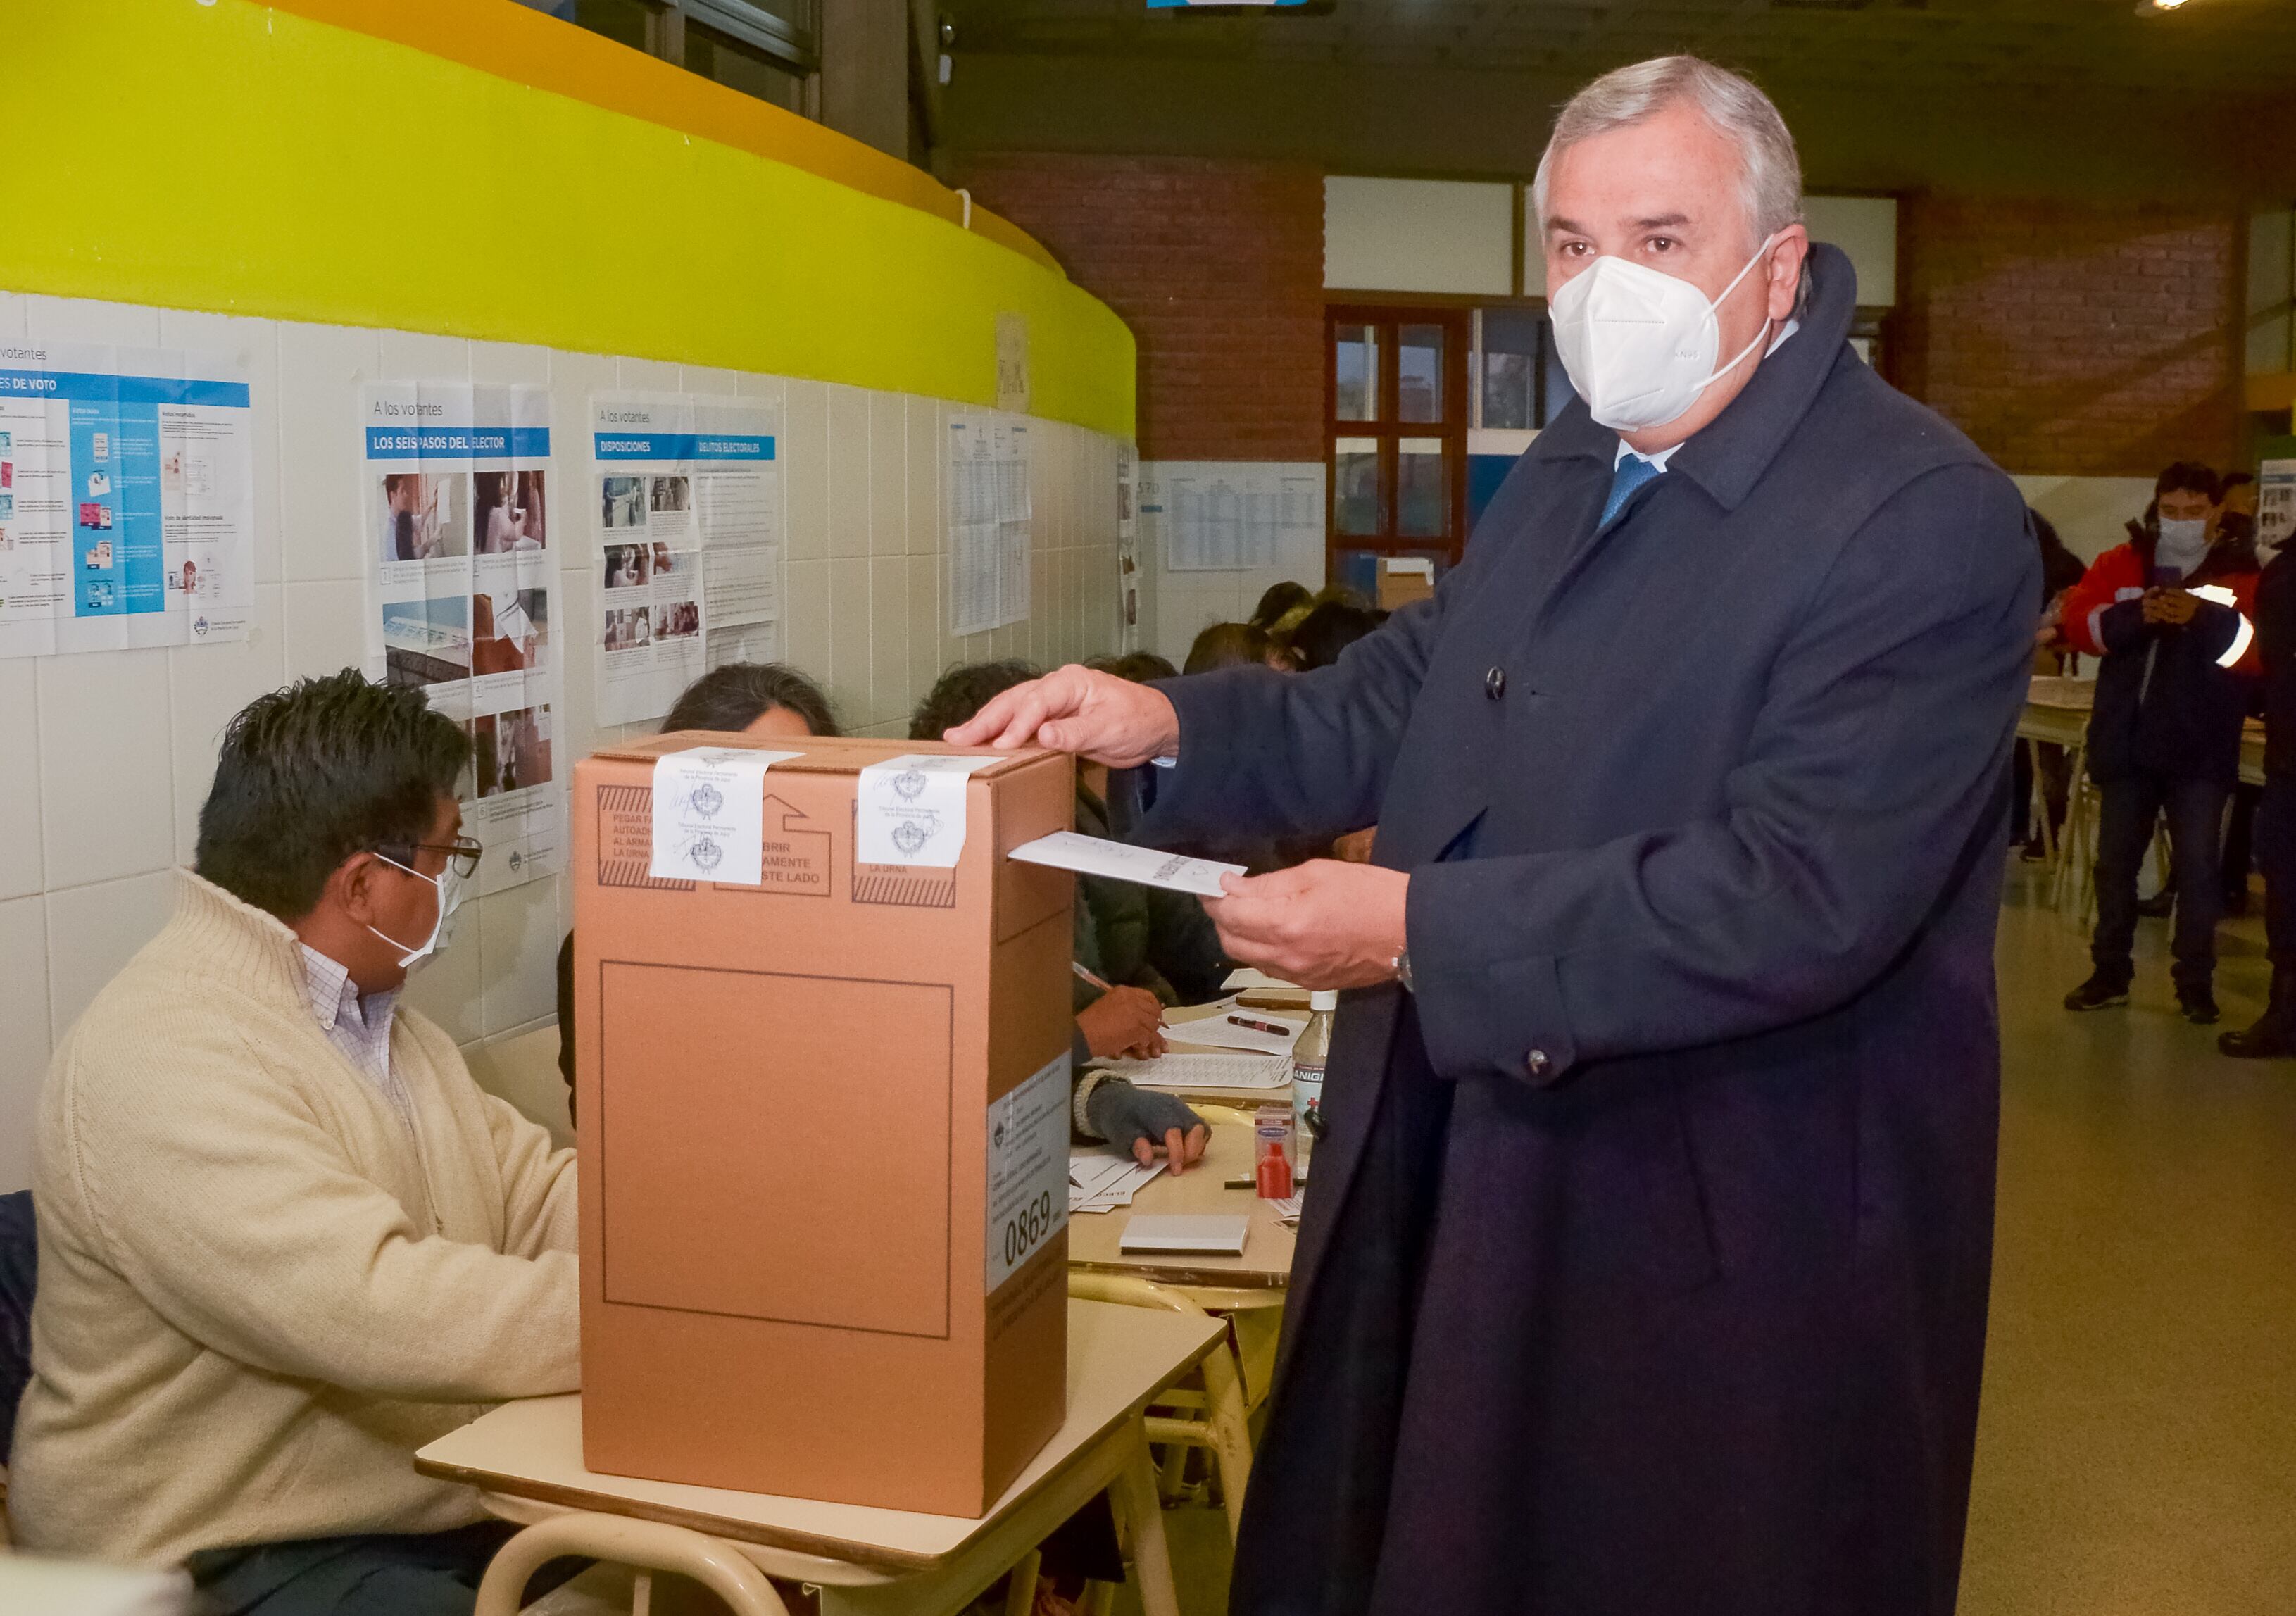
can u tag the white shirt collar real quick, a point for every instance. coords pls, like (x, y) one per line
(1662, 457)
(1658, 459)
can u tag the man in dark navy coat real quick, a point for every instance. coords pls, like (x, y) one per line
(1644, 1265)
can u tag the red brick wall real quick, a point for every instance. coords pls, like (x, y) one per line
(2075, 340)
(1217, 265)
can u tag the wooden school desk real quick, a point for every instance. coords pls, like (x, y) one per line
(1266, 1265)
(525, 1459)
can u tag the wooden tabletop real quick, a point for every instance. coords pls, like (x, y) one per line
(1267, 1261)
(1120, 1359)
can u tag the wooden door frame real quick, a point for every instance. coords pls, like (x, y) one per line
(1456, 319)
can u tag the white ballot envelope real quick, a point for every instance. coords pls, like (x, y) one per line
(1121, 861)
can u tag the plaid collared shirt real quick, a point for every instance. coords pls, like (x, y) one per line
(359, 1026)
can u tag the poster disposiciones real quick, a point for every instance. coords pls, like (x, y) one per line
(988, 511)
(688, 543)
(460, 539)
(127, 498)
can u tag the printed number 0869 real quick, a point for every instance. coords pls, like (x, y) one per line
(1026, 1229)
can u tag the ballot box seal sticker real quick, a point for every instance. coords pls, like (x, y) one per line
(910, 810)
(1028, 1197)
(708, 811)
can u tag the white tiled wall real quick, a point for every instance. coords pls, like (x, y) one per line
(1188, 602)
(106, 757)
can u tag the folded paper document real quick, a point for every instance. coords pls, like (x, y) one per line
(1119, 861)
(1102, 1180)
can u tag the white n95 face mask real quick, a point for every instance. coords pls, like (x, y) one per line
(449, 885)
(1639, 344)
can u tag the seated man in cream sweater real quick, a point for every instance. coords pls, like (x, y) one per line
(284, 1239)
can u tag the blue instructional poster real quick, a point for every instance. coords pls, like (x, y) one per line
(127, 498)
(463, 544)
(689, 553)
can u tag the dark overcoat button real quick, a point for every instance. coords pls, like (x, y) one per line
(1495, 683)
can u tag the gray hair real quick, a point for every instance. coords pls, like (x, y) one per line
(1771, 186)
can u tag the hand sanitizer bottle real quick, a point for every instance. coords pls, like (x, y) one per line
(1308, 1057)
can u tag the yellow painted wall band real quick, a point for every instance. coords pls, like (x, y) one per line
(520, 44)
(252, 160)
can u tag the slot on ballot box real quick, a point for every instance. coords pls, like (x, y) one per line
(823, 1117)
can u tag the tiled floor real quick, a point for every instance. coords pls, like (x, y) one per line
(2136, 1451)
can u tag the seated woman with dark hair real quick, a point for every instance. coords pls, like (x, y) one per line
(741, 698)
(1235, 645)
(1330, 629)
(1281, 601)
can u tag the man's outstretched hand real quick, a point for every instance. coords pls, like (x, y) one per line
(1075, 710)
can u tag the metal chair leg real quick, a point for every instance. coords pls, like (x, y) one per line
(649, 1544)
(1142, 1514)
(1020, 1588)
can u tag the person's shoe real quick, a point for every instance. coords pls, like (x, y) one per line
(2160, 906)
(2098, 992)
(2269, 1038)
(2272, 1035)
(2198, 1004)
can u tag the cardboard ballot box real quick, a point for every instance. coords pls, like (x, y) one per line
(824, 1119)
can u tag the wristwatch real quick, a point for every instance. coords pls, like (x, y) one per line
(1402, 963)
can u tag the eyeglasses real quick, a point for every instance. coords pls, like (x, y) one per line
(462, 852)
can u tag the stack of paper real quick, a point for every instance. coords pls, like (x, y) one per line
(1287, 1208)
(1205, 1072)
(1102, 1180)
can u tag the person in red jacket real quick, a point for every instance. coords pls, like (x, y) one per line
(2169, 615)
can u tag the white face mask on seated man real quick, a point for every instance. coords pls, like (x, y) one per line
(449, 884)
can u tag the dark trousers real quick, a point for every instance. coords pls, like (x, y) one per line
(376, 1574)
(2195, 812)
(2276, 854)
(2240, 839)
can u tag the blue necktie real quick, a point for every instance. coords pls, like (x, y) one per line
(1633, 472)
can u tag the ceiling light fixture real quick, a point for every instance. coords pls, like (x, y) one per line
(2158, 8)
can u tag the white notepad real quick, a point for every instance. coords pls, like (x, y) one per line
(1218, 1234)
(1218, 1033)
